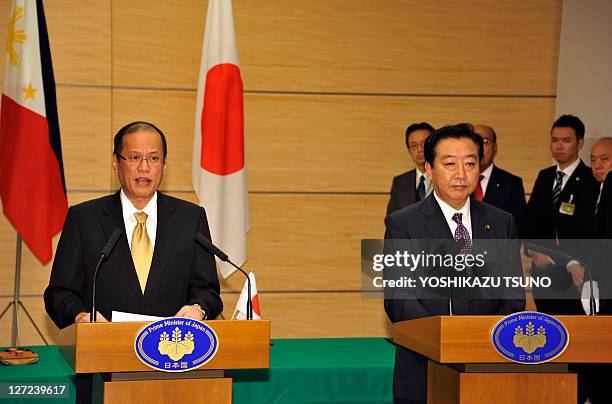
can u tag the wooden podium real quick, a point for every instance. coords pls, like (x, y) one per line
(464, 367)
(108, 349)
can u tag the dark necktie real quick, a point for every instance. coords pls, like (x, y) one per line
(556, 195)
(462, 234)
(421, 189)
(478, 194)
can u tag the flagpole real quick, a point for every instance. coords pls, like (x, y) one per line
(16, 301)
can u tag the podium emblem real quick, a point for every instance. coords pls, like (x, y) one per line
(176, 344)
(529, 337)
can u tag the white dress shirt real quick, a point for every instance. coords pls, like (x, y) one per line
(130, 220)
(486, 176)
(420, 174)
(568, 171)
(449, 211)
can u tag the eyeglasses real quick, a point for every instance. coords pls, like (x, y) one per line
(135, 159)
(415, 146)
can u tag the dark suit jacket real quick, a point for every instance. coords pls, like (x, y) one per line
(603, 237)
(544, 224)
(181, 272)
(403, 191)
(425, 220)
(506, 192)
(603, 220)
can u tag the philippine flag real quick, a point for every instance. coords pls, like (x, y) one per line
(32, 184)
(219, 170)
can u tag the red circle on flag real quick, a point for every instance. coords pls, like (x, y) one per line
(222, 124)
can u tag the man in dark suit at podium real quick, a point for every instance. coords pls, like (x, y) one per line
(452, 158)
(498, 187)
(156, 267)
(413, 185)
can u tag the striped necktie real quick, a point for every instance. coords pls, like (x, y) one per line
(556, 195)
(142, 251)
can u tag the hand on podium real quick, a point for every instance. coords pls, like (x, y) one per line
(193, 311)
(83, 317)
(541, 260)
(577, 272)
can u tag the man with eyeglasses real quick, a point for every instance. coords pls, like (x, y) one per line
(156, 268)
(414, 185)
(498, 187)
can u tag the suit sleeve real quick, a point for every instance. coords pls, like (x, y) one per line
(64, 297)
(392, 205)
(532, 214)
(400, 304)
(519, 207)
(204, 286)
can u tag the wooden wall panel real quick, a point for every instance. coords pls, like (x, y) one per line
(465, 47)
(319, 315)
(310, 242)
(469, 47)
(157, 44)
(79, 34)
(340, 143)
(84, 116)
(28, 334)
(356, 144)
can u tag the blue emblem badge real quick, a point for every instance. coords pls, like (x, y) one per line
(176, 344)
(529, 337)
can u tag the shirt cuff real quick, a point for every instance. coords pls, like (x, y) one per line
(569, 264)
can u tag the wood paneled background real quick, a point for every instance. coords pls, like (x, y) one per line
(330, 87)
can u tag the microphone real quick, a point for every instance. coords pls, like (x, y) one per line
(557, 256)
(112, 240)
(213, 249)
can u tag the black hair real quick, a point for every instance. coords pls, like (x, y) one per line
(570, 121)
(461, 130)
(136, 126)
(415, 127)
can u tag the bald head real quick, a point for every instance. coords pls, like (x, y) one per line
(489, 139)
(601, 158)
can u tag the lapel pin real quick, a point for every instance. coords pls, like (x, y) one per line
(487, 226)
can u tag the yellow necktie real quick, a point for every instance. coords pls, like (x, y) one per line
(142, 252)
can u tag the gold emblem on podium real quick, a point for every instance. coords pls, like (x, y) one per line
(529, 340)
(178, 346)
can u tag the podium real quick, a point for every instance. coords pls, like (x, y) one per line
(464, 367)
(107, 349)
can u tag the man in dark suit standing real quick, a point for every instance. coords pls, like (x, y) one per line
(561, 206)
(498, 187)
(156, 267)
(452, 157)
(413, 185)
